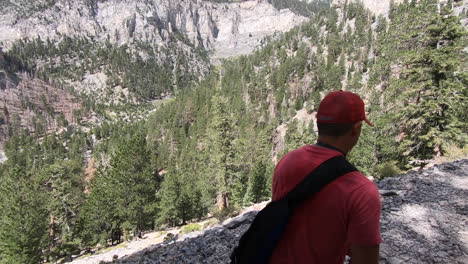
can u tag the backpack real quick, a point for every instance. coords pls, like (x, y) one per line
(258, 243)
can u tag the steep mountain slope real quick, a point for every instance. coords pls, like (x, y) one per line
(384, 7)
(30, 103)
(37, 106)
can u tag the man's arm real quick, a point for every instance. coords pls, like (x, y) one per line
(364, 254)
(364, 225)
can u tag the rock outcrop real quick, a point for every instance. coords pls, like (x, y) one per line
(381, 7)
(424, 220)
(228, 29)
(242, 26)
(425, 215)
(2, 157)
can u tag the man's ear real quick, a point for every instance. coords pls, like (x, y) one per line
(356, 129)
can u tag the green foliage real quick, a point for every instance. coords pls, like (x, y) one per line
(257, 189)
(190, 228)
(225, 213)
(387, 169)
(304, 8)
(170, 192)
(364, 154)
(298, 135)
(180, 201)
(122, 198)
(428, 92)
(63, 184)
(73, 58)
(23, 221)
(221, 135)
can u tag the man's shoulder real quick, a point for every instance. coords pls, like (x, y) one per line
(355, 181)
(296, 165)
(298, 151)
(359, 176)
(309, 153)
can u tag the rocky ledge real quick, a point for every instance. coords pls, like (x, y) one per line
(424, 220)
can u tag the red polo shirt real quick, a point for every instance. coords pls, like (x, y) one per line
(345, 212)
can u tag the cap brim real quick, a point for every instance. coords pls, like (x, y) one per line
(368, 122)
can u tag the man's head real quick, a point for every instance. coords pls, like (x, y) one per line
(339, 119)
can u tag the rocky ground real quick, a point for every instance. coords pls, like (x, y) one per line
(424, 220)
(123, 249)
(425, 216)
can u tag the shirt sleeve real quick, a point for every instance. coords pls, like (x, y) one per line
(364, 219)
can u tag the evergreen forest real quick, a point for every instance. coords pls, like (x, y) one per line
(211, 149)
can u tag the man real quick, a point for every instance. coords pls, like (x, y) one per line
(343, 218)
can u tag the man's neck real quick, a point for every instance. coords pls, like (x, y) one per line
(336, 143)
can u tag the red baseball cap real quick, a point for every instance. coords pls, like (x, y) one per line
(342, 107)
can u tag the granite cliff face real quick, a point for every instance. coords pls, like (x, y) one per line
(228, 29)
(382, 7)
(242, 26)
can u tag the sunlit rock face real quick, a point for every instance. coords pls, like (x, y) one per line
(2, 157)
(228, 29)
(382, 7)
(378, 7)
(242, 26)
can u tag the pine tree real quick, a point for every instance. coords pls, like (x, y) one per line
(221, 134)
(99, 215)
(125, 191)
(170, 192)
(62, 183)
(298, 135)
(23, 221)
(257, 190)
(246, 150)
(433, 91)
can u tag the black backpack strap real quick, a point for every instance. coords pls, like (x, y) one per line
(258, 243)
(324, 174)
